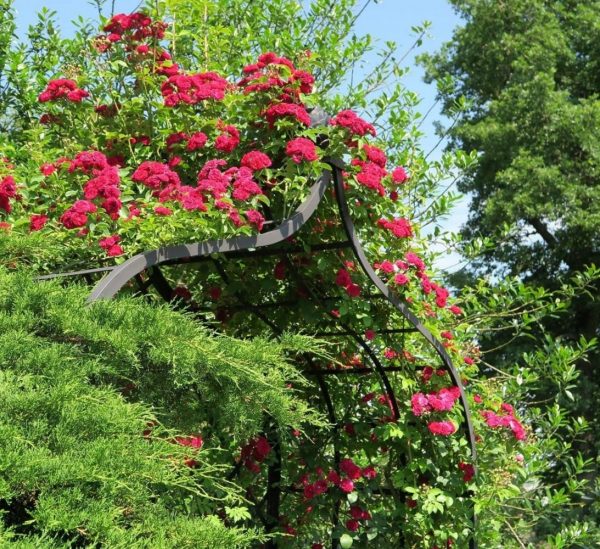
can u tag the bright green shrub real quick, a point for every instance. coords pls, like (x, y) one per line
(76, 466)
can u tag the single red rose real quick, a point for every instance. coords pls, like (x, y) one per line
(346, 486)
(256, 160)
(352, 525)
(301, 149)
(37, 222)
(442, 428)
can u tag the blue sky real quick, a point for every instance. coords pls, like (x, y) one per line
(385, 20)
(392, 20)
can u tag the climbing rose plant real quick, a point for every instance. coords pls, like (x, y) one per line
(145, 152)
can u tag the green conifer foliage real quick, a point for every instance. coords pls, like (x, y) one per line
(90, 457)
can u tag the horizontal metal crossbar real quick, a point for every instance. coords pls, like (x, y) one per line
(292, 303)
(379, 332)
(77, 273)
(265, 252)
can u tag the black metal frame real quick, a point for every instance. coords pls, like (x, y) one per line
(265, 244)
(119, 276)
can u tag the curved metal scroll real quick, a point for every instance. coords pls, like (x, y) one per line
(401, 307)
(109, 286)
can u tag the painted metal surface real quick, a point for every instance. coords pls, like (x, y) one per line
(110, 285)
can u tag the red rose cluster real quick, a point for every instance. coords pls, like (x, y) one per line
(287, 110)
(271, 72)
(345, 482)
(134, 27)
(399, 175)
(254, 453)
(77, 215)
(401, 271)
(440, 401)
(37, 222)
(102, 187)
(370, 175)
(217, 183)
(505, 418)
(105, 183)
(194, 443)
(111, 245)
(167, 186)
(375, 155)
(255, 161)
(193, 88)
(229, 138)
(468, 471)
(62, 88)
(442, 428)
(196, 141)
(8, 190)
(344, 279)
(441, 293)
(244, 187)
(192, 142)
(372, 166)
(428, 372)
(155, 175)
(400, 227)
(358, 514)
(353, 123)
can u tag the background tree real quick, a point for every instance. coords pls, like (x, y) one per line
(524, 97)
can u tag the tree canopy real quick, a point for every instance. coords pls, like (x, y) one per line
(528, 74)
(520, 80)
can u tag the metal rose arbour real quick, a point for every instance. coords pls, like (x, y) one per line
(145, 274)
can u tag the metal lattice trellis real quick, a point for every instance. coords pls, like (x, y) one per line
(276, 241)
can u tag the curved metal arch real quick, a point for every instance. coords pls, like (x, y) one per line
(398, 303)
(403, 308)
(110, 285)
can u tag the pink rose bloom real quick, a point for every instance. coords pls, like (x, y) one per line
(442, 428)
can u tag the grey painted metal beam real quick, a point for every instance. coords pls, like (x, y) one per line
(403, 308)
(110, 285)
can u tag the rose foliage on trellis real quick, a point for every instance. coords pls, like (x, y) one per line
(145, 153)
